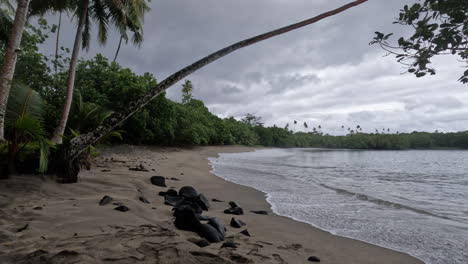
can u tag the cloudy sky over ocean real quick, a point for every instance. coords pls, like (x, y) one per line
(325, 74)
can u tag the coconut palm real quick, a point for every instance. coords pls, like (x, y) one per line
(70, 153)
(6, 20)
(104, 14)
(9, 60)
(132, 22)
(24, 125)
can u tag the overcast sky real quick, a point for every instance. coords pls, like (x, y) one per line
(325, 73)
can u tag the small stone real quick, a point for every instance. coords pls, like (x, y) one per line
(174, 179)
(234, 211)
(158, 181)
(188, 192)
(313, 259)
(245, 232)
(138, 168)
(105, 200)
(37, 208)
(122, 208)
(216, 201)
(229, 244)
(143, 200)
(260, 212)
(203, 202)
(21, 229)
(182, 173)
(202, 243)
(233, 204)
(237, 223)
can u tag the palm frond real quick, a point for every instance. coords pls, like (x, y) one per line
(23, 101)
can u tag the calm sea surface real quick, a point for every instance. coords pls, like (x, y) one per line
(412, 201)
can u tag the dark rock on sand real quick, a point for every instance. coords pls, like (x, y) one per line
(174, 179)
(233, 204)
(188, 192)
(203, 202)
(229, 244)
(143, 200)
(105, 200)
(196, 208)
(138, 168)
(202, 243)
(186, 218)
(21, 229)
(173, 200)
(313, 259)
(260, 212)
(218, 225)
(37, 208)
(216, 201)
(245, 232)
(204, 217)
(171, 192)
(234, 211)
(210, 233)
(122, 208)
(237, 223)
(158, 181)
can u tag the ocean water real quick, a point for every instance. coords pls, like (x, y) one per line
(412, 201)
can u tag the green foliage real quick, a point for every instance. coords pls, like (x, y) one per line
(440, 27)
(24, 124)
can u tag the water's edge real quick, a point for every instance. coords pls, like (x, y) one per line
(275, 211)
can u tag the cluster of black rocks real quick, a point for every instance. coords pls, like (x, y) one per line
(188, 206)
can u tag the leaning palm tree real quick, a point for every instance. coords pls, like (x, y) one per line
(135, 12)
(70, 153)
(104, 14)
(9, 60)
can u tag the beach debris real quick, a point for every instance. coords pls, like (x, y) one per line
(181, 173)
(313, 259)
(203, 202)
(210, 233)
(260, 212)
(218, 225)
(37, 208)
(233, 204)
(234, 211)
(217, 201)
(200, 242)
(21, 229)
(105, 170)
(237, 223)
(143, 200)
(158, 181)
(229, 244)
(105, 200)
(245, 232)
(122, 208)
(138, 168)
(174, 179)
(188, 192)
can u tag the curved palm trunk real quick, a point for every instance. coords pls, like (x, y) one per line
(118, 49)
(60, 130)
(9, 62)
(71, 152)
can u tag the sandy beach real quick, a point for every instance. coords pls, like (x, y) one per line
(45, 222)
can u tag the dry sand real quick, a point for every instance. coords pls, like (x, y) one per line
(65, 224)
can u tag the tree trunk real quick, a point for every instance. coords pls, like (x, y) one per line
(80, 143)
(118, 49)
(9, 61)
(57, 40)
(60, 130)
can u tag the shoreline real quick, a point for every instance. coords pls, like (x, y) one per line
(70, 218)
